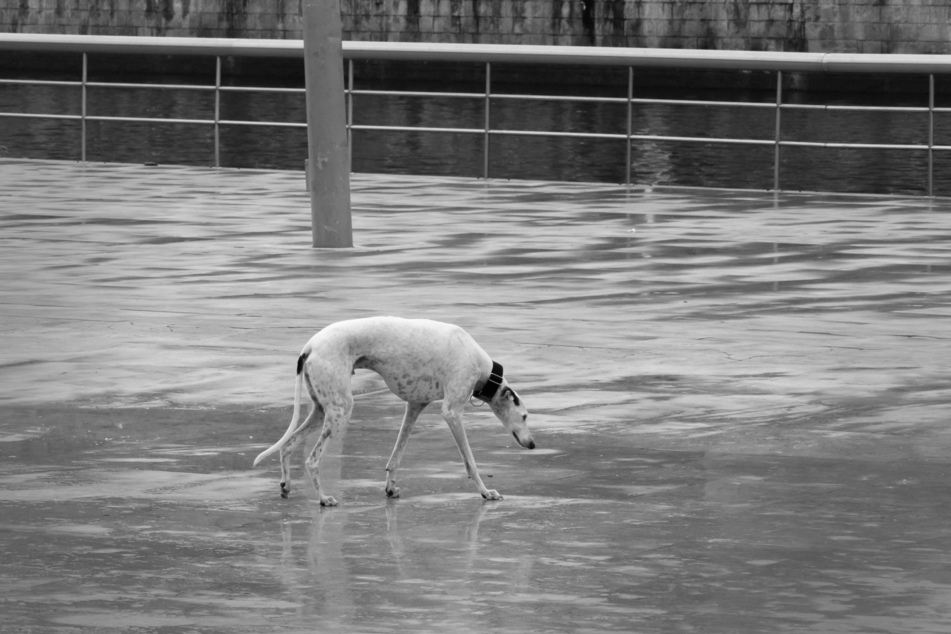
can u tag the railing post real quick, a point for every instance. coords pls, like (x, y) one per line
(350, 111)
(779, 110)
(217, 111)
(630, 123)
(83, 132)
(485, 141)
(930, 135)
(328, 152)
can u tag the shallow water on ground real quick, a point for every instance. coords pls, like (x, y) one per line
(739, 400)
(147, 519)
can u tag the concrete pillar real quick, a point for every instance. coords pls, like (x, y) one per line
(327, 149)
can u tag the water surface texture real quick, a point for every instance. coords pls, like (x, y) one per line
(740, 403)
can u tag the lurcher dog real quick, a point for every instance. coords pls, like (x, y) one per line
(421, 361)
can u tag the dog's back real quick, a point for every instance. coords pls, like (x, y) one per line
(412, 355)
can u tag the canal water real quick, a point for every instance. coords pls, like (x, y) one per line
(518, 157)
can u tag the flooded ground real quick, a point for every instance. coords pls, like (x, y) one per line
(740, 403)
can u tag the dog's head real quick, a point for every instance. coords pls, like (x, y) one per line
(509, 409)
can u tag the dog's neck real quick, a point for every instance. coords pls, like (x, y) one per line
(490, 386)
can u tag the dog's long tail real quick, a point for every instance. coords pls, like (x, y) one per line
(290, 428)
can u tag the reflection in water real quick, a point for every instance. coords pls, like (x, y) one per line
(653, 162)
(428, 566)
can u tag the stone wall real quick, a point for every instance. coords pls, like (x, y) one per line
(277, 19)
(861, 26)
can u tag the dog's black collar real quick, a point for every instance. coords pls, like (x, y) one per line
(492, 385)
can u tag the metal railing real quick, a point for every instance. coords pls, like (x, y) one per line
(488, 55)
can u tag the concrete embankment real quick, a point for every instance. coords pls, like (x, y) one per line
(859, 26)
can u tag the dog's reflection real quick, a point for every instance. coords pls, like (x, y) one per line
(470, 536)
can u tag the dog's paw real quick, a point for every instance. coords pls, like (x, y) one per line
(327, 500)
(285, 490)
(492, 494)
(392, 491)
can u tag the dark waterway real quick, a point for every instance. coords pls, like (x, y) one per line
(520, 157)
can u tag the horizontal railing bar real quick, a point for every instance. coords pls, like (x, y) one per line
(40, 82)
(701, 139)
(856, 146)
(718, 140)
(535, 133)
(109, 84)
(261, 89)
(576, 135)
(23, 115)
(497, 96)
(410, 93)
(397, 128)
(637, 100)
(152, 45)
(802, 106)
(260, 124)
(148, 120)
(263, 124)
(567, 98)
(566, 135)
(77, 117)
(698, 102)
(491, 53)
(650, 57)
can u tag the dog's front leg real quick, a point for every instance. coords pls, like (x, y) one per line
(453, 418)
(413, 411)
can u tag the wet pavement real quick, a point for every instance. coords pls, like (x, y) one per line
(741, 403)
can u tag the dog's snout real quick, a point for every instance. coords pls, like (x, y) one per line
(530, 445)
(524, 417)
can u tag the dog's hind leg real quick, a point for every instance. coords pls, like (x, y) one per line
(409, 419)
(316, 416)
(335, 417)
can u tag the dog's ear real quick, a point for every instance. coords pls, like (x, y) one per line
(508, 394)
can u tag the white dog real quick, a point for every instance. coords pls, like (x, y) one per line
(421, 361)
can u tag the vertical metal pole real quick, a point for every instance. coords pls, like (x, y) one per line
(485, 142)
(217, 111)
(930, 135)
(83, 132)
(779, 104)
(328, 151)
(350, 112)
(630, 123)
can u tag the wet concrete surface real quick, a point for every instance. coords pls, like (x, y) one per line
(741, 403)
